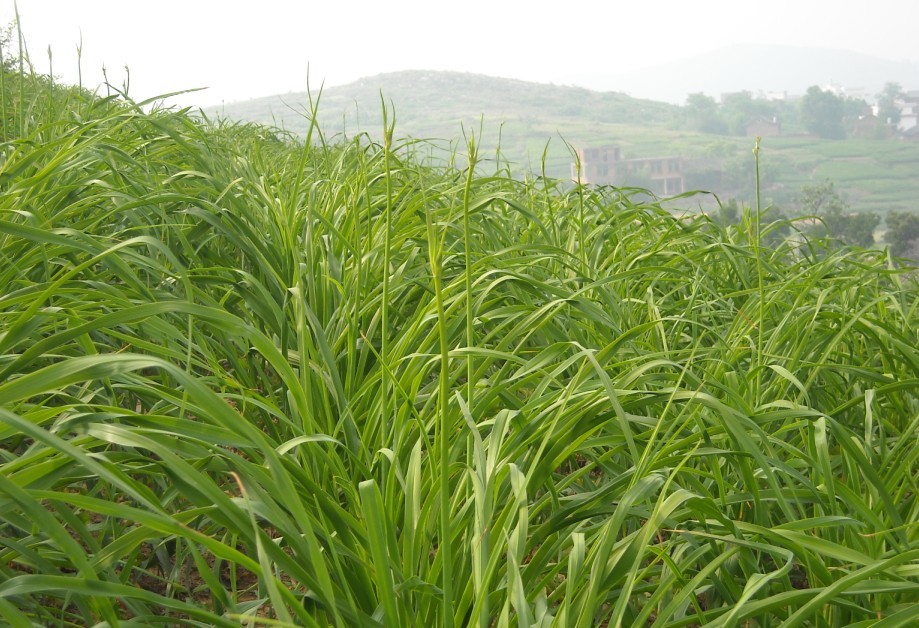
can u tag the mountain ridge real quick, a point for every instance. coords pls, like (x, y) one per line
(756, 67)
(460, 96)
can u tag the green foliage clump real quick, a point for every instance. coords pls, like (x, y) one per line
(251, 378)
(822, 114)
(903, 234)
(837, 219)
(888, 112)
(702, 114)
(739, 109)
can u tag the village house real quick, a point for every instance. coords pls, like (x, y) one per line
(869, 127)
(763, 127)
(909, 113)
(908, 105)
(605, 166)
(911, 135)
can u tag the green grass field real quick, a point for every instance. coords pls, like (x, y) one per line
(247, 378)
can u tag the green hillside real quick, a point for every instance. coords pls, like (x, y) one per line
(525, 116)
(534, 121)
(430, 102)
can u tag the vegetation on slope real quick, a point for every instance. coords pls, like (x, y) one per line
(245, 377)
(430, 98)
(531, 124)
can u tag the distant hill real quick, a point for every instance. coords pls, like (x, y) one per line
(438, 105)
(757, 67)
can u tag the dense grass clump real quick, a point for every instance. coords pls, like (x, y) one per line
(249, 378)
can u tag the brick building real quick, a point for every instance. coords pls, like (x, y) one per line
(605, 166)
(763, 127)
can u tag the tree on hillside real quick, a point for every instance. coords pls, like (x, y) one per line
(728, 213)
(817, 200)
(741, 108)
(888, 112)
(8, 59)
(902, 233)
(838, 220)
(852, 111)
(822, 113)
(702, 114)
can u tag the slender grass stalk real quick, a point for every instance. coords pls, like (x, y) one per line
(3, 95)
(758, 243)
(20, 109)
(472, 158)
(442, 429)
(386, 418)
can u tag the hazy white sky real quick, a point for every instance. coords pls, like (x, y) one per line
(243, 49)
